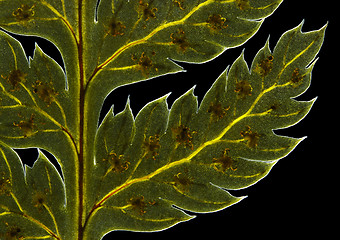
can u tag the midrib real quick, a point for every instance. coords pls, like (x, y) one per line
(81, 162)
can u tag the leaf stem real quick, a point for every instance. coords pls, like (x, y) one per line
(80, 172)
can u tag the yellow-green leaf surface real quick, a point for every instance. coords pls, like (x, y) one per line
(32, 206)
(139, 173)
(187, 155)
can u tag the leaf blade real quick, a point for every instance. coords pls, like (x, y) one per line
(36, 111)
(27, 204)
(239, 152)
(176, 38)
(38, 18)
(128, 34)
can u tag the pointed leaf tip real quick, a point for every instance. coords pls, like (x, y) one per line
(140, 173)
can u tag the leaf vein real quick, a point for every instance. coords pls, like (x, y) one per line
(150, 35)
(297, 56)
(193, 154)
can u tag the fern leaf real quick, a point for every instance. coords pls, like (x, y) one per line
(187, 155)
(139, 173)
(31, 204)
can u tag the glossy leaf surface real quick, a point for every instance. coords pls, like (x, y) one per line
(137, 173)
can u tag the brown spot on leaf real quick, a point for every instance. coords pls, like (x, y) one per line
(275, 106)
(27, 126)
(224, 162)
(265, 66)
(145, 64)
(252, 138)
(217, 111)
(216, 22)
(45, 92)
(146, 10)
(243, 89)
(151, 146)
(39, 199)
(24, 13)
(297, 78)
(12, 233)
(182, 182)
(116, 28)
(117, 163)
(183, 136)
(14, 78)
(179, 38)
(139, 204)
(243, 4)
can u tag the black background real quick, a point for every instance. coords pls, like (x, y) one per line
(297, 198)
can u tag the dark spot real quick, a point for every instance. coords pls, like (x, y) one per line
(139, 204)
(14, 78)
(224, 162)
(24, 13)
(27, 126)
(252, 138)
(242, 4)
(184, 136)
(265, 66)
(151, 146)
(39, 199)
(274, 106)
(217, 111)
(182, 182)
(216, 22)
(117, 163)
(243, 89)
(13, 233)
(146, 11)
(116, 28)
(145, 64)
(179, 39)
(45, 92)
(297, 78)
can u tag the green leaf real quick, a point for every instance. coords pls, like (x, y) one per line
(187, 156)
(34, 98)
(36, 109)
(139, 173)
(139, 39)
(31, 203)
